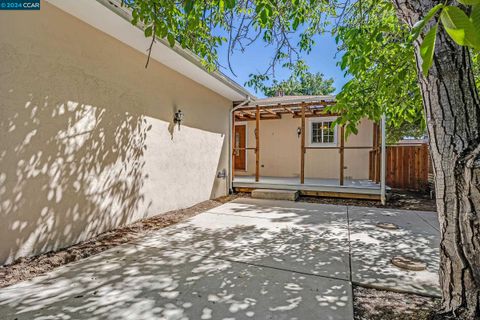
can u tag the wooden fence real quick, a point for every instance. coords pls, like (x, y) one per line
(407, 167)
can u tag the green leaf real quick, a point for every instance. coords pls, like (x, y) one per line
(171, 39)
(148, 31)
(230, 4)
(188, 6)
(427, 48)
(417, 27)
(459, 27)
(296, 22)
(469, 2)
(475, 18)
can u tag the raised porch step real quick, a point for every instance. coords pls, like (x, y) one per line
(272, 194)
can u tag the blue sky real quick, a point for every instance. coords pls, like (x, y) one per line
(256, 58)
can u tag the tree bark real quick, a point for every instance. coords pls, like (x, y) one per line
(452, 110)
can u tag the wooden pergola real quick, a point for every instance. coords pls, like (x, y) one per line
(275, 108)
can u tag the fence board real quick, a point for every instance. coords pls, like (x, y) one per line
(407, 167)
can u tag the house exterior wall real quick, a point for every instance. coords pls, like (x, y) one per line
(87, 141)
(280, 151)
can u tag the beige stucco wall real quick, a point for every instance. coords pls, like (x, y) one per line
(280, 151)
(86, 135)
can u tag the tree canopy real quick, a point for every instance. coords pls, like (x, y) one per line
(201, 25)
(377, 49)
(304, 84)
(382, 67)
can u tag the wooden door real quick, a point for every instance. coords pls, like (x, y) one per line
(240, 145)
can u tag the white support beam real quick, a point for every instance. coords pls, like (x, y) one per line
(383, 163)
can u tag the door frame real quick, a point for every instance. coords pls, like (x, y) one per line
(245, 124)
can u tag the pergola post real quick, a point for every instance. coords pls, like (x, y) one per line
(234, 146)
(376, 153)
(379, 154)
(342, 153)
(302, 150)
(257, 144)
(372, 157)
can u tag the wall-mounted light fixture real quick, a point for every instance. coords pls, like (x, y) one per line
(222, 174)
(299, 132)
(178, 118)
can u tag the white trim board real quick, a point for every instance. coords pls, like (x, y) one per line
(309, 133)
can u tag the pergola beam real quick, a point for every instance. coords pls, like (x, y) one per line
(290, 105)
(274, 111)
(241, 116)
(316, 115)
(250, 114)
(262, 117)
(270, 111)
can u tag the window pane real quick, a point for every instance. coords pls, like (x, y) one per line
(327, 138)
(323, 132)
(316, 132)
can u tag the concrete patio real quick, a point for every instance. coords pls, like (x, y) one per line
(321, 185)
(247, 259)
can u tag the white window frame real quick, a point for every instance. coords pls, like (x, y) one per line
(322, 144)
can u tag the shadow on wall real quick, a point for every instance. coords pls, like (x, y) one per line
(68, 171)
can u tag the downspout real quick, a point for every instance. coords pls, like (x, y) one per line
(383, 164)
(230, 151)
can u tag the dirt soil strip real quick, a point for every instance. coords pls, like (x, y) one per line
(403, 200)
(28, 268)
(372, 304)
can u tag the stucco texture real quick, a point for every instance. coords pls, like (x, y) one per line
(280, 151)
(87, 141)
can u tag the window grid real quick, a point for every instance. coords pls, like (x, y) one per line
(323, 132)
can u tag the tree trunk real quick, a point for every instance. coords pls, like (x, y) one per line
(452, 109)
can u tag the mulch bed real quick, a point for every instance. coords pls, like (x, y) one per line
(371, 304)
(28, 268)
(398, 200)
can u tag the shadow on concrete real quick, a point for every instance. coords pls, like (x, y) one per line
(146, 282)
(373, 248)
(248, 259)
